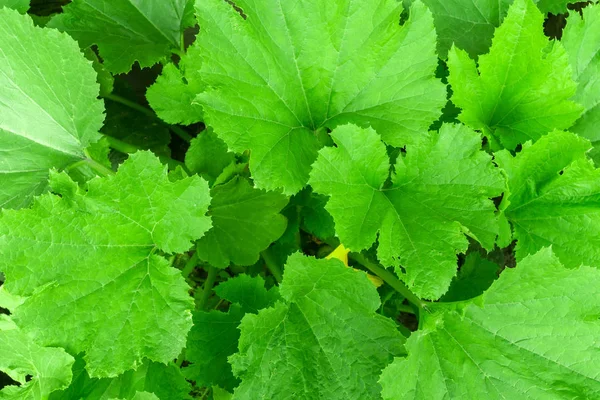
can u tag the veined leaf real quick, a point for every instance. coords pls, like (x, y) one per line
(553, 199)
(439, 192)
(523, 86)
(47, 118)
(88, 262)
(126, 31)
(323, 341)
(284, 72)
(533, 335)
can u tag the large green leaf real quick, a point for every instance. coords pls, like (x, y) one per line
(126, 31)
(39, 370)
(535, 336)
(47, 117)
(245, 222)
(164, 381)
(554, 199)
(324, 341)
(439, 192)
(470, 24)
(581, 39)
(288, 71)
(523, 86)
(90, 263)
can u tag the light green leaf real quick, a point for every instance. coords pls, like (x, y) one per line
(49, 368)
(554, 199)
(470, 24)
(88, 260)
(284, 74)
(172, 95)
(164, 381)
(47, 116)
(215, 335)
(208, 156)
(523, 87)
(245, 222)
(20, 5)
(536, 337)
(581, 39)
(439, 192)
(324, 341)
(125, 31)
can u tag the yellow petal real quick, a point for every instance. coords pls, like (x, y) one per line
(341, 253)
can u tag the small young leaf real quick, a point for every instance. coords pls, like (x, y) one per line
(245, 222)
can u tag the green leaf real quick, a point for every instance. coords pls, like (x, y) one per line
(208, 156)
(89, 262)
(49, 369)
(125, 31)
(280, 77)
(439, 192)
(20, 5)
(581, 39)
(164, 381)
(249, 292)
(245, 222)
(474, 277)
(535, 337)
(215, 334)
(324, 341)
(553, 199)
(523, 87)
(48, 117)
(470, 24)
(315, 219)
(172, 95)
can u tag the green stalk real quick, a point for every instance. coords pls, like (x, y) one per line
(272, 265)
(146, 111)
(390, 279)
(207, 289)
(99, 168)
(190, 265)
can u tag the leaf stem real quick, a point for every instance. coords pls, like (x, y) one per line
(390, 279)
(99, 168)
(208, 285)
(190, 265)
(146, 111)
(272, 265)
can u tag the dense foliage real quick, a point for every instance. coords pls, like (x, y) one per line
(299, 199)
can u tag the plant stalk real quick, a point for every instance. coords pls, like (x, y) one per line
(207, 289)
(272, 265)
(390, 279)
